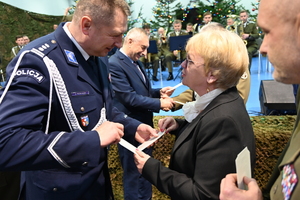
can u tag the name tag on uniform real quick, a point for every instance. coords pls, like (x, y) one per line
(80, 93)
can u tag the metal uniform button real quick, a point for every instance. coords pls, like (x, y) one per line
(82, 109)
(54, 189)
(85, 163)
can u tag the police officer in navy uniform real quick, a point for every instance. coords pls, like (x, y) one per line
(57, 116)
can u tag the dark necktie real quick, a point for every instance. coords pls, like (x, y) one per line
(93, 70)
(138, 67)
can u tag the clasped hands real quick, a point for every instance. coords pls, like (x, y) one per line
(166, 103)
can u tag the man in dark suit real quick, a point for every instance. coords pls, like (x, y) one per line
(58, 135)
(135, 97)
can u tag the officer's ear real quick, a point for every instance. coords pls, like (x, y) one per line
(86, 23)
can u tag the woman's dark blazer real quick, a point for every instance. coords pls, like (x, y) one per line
(205, 150)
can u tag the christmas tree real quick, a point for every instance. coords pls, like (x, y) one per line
(220, 9)
(131, 20)
(163, 14)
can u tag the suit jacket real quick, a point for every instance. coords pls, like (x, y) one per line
(205, 150)
(133, 95)
(65, 163)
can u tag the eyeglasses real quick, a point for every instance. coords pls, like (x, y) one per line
(188, 62)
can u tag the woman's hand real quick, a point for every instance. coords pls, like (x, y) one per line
(140, 158)
(168, 124)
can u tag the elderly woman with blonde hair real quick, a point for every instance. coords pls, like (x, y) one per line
(216, 126)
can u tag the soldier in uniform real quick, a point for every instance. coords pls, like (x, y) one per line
(281, 44)
(207, 18)
(248, 31)
(231, 25)
(151, 57)
(190, 29)
(57, 114)
(20, 42)
(179, 54)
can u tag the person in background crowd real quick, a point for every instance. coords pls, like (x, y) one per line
(216, 125)
(163, 48)
(135, 97)
(231, 25)
(55, 26)
(178, 54)
(67, 17)
(20, 42)
(26, 40)
(56, 110)
(190, 28)
(151, 57)
(207, 18)
(247, 30)
(283, 50)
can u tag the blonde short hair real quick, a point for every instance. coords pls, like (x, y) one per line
(224, 54)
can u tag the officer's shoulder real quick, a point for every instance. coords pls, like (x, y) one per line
(44, 44)
(251, 22)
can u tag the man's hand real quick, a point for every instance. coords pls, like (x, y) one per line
(144, 132)
(166, 91)
(168, 124)
(166, 104)
(110, 133)
(230, 191)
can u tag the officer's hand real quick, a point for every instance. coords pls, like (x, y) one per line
(110, 133)
(229, 190)
(166, 91)
(166, 104)
(144, 132)
(168, 124)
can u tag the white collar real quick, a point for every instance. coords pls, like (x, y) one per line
(82, 51)
(192, 109)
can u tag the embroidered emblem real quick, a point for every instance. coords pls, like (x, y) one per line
(81, 93)
(36, 75)
(289, 181)
(85, 120)
(71, 56)
(244, 76)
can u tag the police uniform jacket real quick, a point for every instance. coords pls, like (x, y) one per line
(63, 164)
(133, 96)
(205, 150)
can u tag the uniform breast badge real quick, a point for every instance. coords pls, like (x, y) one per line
(289, 181)
(85, 120)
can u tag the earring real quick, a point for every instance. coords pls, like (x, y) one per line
(207, 90)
